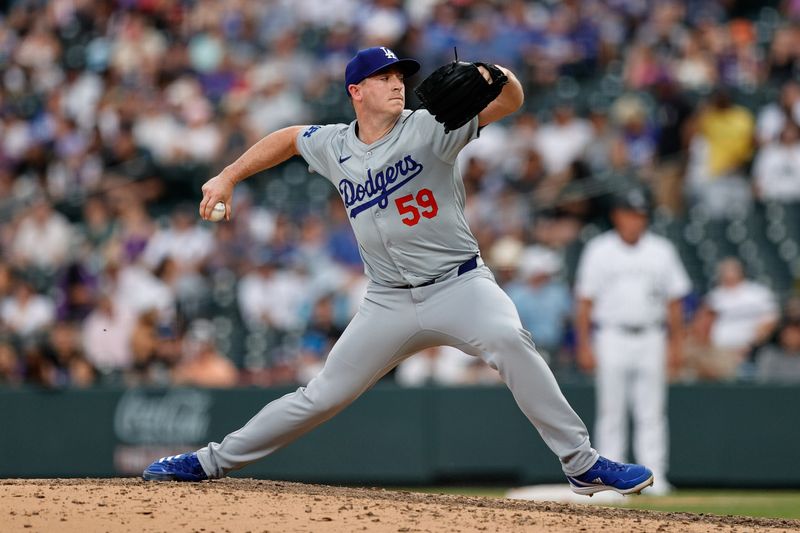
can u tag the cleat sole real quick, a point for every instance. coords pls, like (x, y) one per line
(589, 491)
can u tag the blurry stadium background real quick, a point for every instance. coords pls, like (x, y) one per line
(130, 327)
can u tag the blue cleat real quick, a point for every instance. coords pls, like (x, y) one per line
(184, 467)
(608, 475)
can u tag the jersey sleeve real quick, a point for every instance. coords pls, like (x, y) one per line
(588, 279)
(314, 145)
(446, 146)
(678, 283)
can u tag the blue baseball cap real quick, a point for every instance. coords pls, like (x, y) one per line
(370, 60)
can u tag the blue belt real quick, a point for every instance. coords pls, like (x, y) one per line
(466, 266)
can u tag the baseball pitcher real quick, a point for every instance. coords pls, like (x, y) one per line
(395, 172)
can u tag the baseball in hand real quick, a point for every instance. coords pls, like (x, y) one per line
(218, 213)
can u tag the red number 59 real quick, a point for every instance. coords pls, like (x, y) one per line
(424, 200)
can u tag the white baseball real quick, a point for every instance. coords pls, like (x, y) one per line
(218, 213)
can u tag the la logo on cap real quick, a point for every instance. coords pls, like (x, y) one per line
(389, 53)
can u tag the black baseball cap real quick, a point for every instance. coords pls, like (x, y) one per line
(632, 200)
(370, 60)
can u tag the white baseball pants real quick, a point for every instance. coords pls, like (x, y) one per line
(631, 377)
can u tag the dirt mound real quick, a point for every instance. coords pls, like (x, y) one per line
(240, 505)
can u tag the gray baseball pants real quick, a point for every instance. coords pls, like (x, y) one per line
(469, 312)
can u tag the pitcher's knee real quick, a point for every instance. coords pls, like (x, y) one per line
(511, 349)
(323, 402)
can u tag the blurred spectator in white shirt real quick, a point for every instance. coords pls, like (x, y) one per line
(287, 57)
(271, 296)
(603, 153)
(106, 336)
(701, 359)
(776, 170)
(43, 238)
(254, 222)
(491, 149)
(383, 23)
(17, 138)
(519, 141)
(563, 140)
(184, 241)
(772, 117)
(157, 130)
(503, 257)
(201, 140)
(135, 288)
(274, 105)
(138, 46)
(694, 68)
(325, 14)
(26, 312)
(39, 49)
(82, 96)
(746, 312)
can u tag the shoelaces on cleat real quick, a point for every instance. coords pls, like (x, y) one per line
(180, 462)
(611, 465)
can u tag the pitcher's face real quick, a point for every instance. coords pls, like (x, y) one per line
(383, 92)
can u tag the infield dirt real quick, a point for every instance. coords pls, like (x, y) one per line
(241, 505)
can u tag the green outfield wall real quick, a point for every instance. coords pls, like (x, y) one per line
(721, 435)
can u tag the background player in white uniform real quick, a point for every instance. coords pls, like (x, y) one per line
(395, 171)
(629, 286)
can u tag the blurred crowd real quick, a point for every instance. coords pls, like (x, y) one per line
(114, 112)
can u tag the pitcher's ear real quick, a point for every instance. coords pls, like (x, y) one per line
(355, 91)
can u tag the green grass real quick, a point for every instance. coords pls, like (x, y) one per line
(757, 503)
(762, 503)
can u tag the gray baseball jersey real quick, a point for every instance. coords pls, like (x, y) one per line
(405, 200)
(403, 194)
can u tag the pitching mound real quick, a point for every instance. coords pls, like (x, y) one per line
(234, 505)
